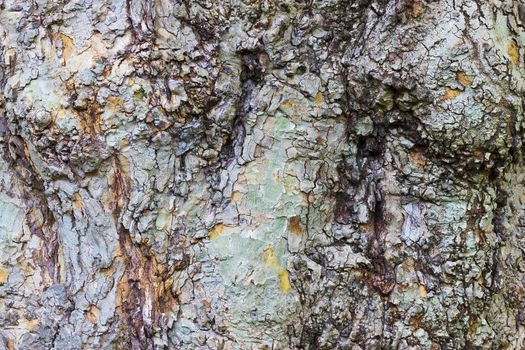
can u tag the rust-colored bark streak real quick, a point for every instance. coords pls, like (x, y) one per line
(132, 292)
(145, 281)
(48, 255)
(144, 292)
(39, 218)
(90, 119)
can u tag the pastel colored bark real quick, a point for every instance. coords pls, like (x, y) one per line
(245, 174)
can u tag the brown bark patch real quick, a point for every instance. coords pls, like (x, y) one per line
(90, 120)
(417, 157)
(415, 8)
(78, 202)
(236, 196)
(216, 231)
(319, 99)
(3, 276)
(472, 325)
(464, 79)
(450, 94)
(294, 225)
(93, 314)
(415, 321)
(422, 291)
(513, 52)
(114, 103)
(67, 46)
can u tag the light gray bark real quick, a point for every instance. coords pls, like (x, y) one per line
(245, 174)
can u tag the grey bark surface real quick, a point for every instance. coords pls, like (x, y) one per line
(256, 174)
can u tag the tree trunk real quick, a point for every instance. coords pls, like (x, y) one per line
(262, 174)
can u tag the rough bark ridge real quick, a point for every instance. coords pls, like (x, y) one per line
(324, 174)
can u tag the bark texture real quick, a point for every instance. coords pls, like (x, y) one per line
(262, 174)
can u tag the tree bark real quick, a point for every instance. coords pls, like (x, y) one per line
(262, 174)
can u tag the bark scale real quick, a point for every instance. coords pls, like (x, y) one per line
(324, 174)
